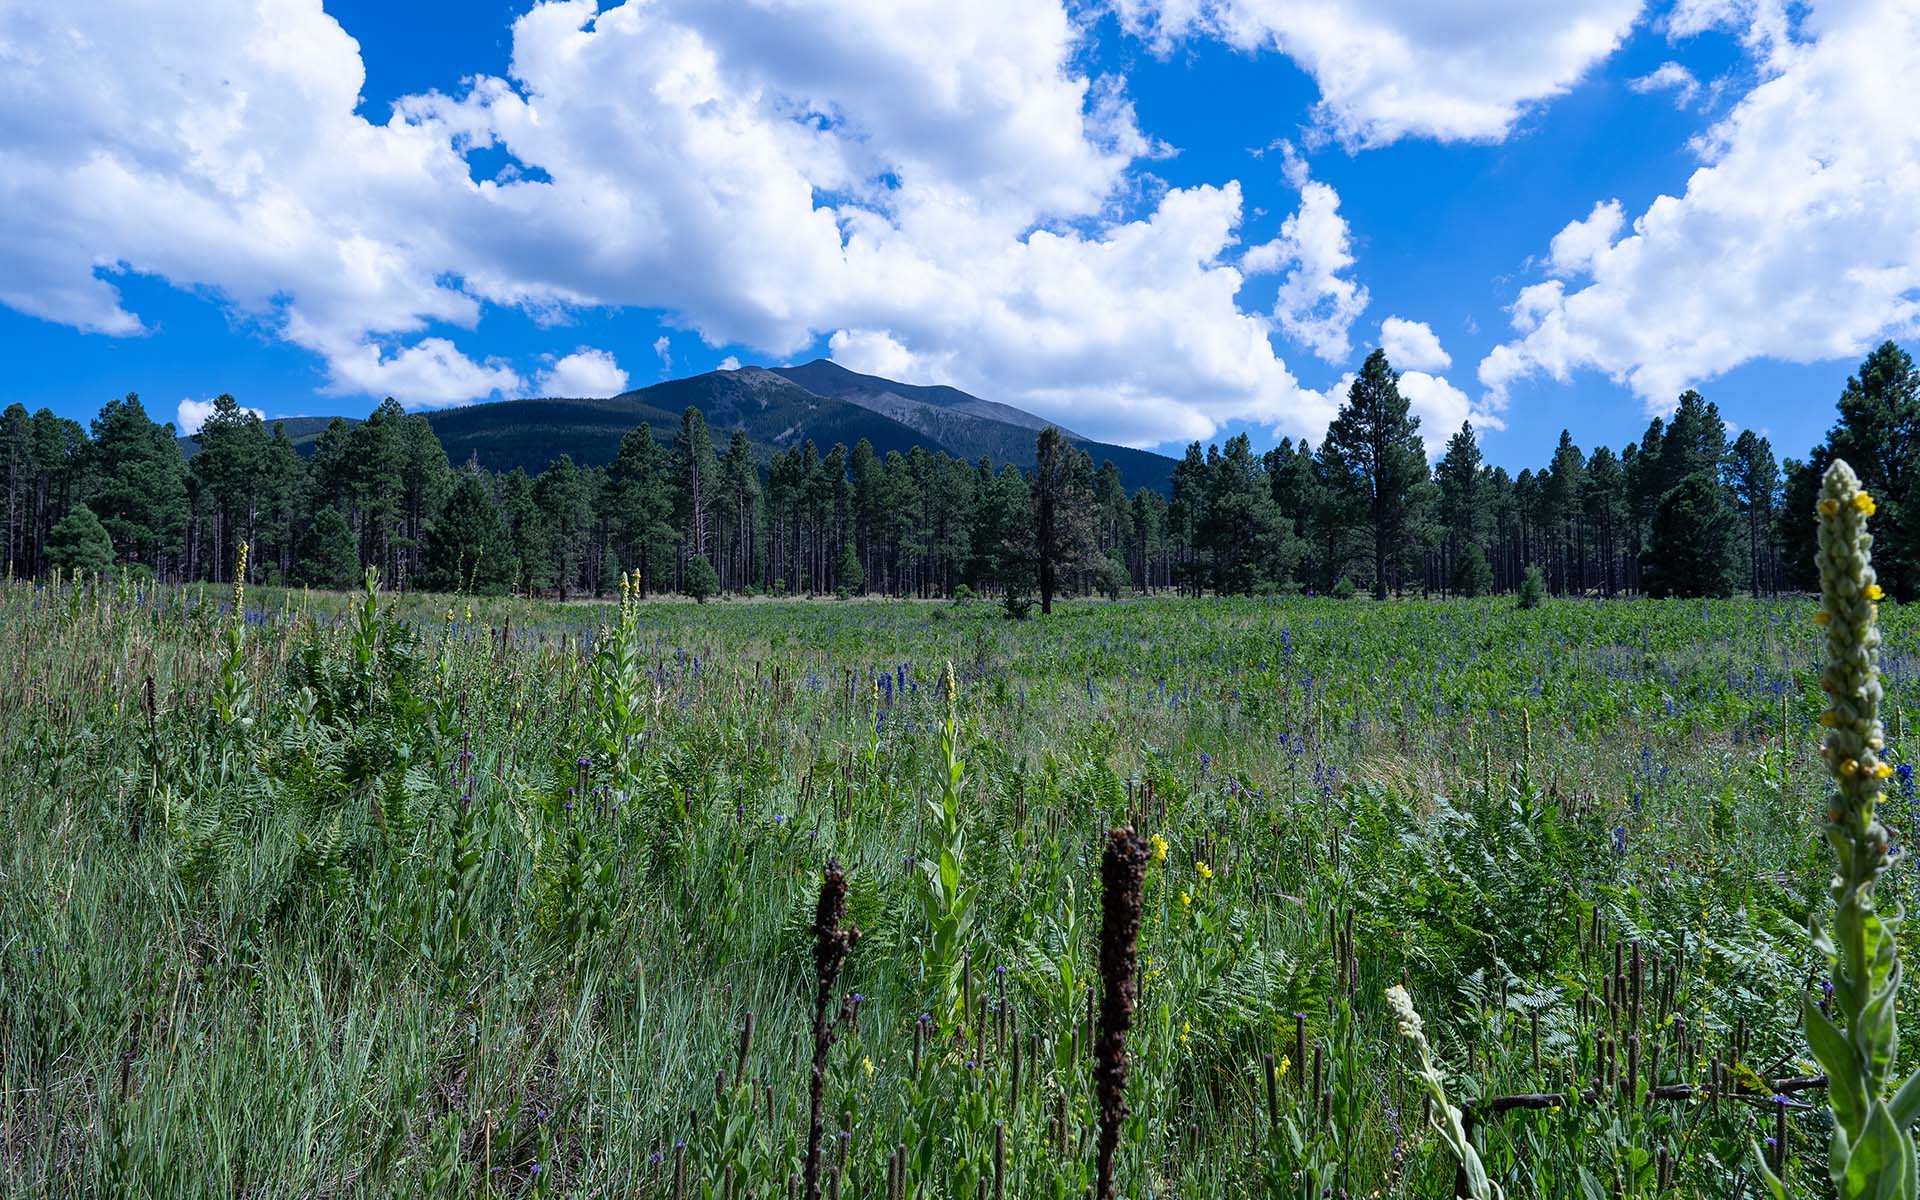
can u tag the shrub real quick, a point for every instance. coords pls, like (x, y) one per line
(1018, 602)
(1471, 574)
(1533, 588)
(701, 581)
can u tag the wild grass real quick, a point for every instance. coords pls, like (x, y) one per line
(426, 896)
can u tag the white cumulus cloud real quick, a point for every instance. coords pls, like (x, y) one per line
(1794, 240)
(587, 372)
(1413, 345)
(1668, 76)
(1316, 305)
(767, 172)
(1391, 69)
(1575, 248)
(431, 373)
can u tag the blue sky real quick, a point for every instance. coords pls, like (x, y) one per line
(1036, 204)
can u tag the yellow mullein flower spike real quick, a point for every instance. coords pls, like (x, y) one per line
(1874, 592)
(1859, 1046)
(1822, 617)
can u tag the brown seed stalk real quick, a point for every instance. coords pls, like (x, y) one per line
(1123, 871)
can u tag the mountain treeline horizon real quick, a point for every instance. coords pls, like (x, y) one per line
(941, 494)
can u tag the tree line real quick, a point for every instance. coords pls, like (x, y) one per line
(1684, 511)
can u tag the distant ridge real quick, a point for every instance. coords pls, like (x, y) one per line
(777, 408)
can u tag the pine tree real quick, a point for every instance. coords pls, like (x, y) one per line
(1562, 506)
(79, 542)
(1695, 442)
(1186, 517)
(141, 494)
(467, 547)
(1149, 516)
(1377, 442)
(424, 481)
(1463, 512)
(1878, 434)
(328, 558)
(1754, 479)
(283, 497)
(228, 473)
(694, 471)
(848, 578)
(1604, 505)
(1692, 549)
(740, 484)
(564, 494)
(639, 508)
(1248, 544)
(527, 529)
(1795, 527)
(16, 475)
(1062, 504)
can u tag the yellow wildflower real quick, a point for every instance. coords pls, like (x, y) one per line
(1186, 1027)
(1882, 771)
(1185, 900)
(1863, 504)
(866, 1064)
(1206, 872)
(1874, 592)
(1850, 768)
(1822, 617)
(1159, 845)
(1829, 507)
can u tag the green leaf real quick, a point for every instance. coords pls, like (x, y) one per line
(1880, 1166)
(1905, 1105)
(1836, 1056)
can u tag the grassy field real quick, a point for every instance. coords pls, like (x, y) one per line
(344, 896)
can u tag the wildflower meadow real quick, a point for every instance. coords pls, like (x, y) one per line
(387, 894)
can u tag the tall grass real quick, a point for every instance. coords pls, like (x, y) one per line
(409, 897)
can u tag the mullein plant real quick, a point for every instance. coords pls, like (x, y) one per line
(1447, 1119)
(946, 899)
(1872, 1149)
(621, 700)
(233, 700)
